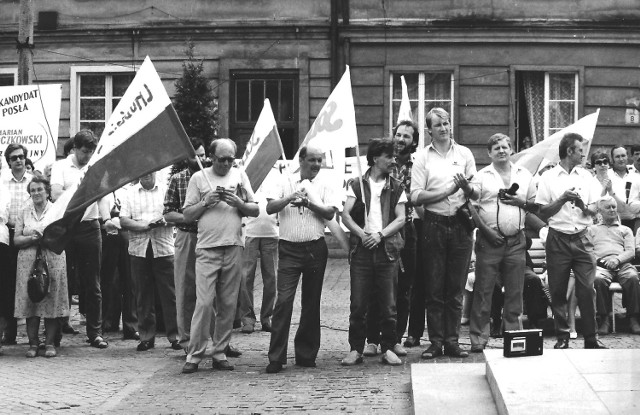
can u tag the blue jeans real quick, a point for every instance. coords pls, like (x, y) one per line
(447, 251)
(406, 277)
(310, 260)
(374, 282)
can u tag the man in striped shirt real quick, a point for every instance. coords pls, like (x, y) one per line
(151, 252)
(304, 204)
(15, 181)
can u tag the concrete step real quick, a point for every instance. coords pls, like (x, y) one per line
(453, 388)
(572, 381)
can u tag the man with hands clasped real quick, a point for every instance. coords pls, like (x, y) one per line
(375, 245)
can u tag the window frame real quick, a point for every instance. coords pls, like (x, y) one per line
(10, 71)
(74, 90)
(580, 91)
(390, 70)
(547, 100)
(276, 74)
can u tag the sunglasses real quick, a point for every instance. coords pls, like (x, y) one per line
(14, 158)
(602, 162)
(225, 159)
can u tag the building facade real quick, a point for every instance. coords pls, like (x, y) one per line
(525, 69)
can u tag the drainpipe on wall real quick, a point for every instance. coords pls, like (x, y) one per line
(333, 38)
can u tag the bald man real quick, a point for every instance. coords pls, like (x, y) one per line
(304, 204)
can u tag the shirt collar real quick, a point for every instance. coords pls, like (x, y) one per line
(155, 186)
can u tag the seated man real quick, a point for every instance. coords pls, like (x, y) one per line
(614, 249)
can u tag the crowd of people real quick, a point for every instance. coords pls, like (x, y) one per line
(180, 255)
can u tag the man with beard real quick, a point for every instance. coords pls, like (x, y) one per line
(304, 204)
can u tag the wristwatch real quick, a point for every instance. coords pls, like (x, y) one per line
(381, 236)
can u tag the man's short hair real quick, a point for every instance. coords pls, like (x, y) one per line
(567, 142)
(197, 142)
(13, 147)
(214, 145)
(440, 112)
(605, 199)
(86, 139)
(635, 148)
(378, 146)
(496, 138)
(599, 154)
(615, 147)
(303, 152)
(416, 133)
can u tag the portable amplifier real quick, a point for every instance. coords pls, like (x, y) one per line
(522, 343)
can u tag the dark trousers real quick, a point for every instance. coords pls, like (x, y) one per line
(446, 265)
(118, 296)
(84, 253)
(8, 265)
(150, 273)
(374, 282)
(310, 260)
(406, 276)
(417, 314)
(565, 253)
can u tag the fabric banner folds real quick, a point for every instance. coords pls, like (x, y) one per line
(143, 135)
(546, 151)
(263, 149)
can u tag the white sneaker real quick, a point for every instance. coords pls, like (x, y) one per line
(353, 358)
(399, 350)
(573, 334)
(390, 358)
(370, 350)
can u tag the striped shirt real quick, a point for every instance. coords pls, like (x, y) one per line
(147, 205)
(18, 194)
(300, 224)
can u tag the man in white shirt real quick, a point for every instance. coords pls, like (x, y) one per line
(375, 245)
(440, 182)
(502, 191)
(625, 188)
(304, 205)
(84, 250)
(567, 194)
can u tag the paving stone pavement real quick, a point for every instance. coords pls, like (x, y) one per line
(120, 380)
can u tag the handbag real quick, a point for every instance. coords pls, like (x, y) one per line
(39, 280)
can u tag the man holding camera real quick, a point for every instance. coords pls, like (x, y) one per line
(502, 191)
(565, 194)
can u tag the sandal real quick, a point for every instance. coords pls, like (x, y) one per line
(50, 351)
(32, 352)
(98, 343)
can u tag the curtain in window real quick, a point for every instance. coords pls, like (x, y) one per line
(561, 101)
(534, 97)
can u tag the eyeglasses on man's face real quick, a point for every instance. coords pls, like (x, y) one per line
(602, 162)
(224, 160)
(17, 157)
